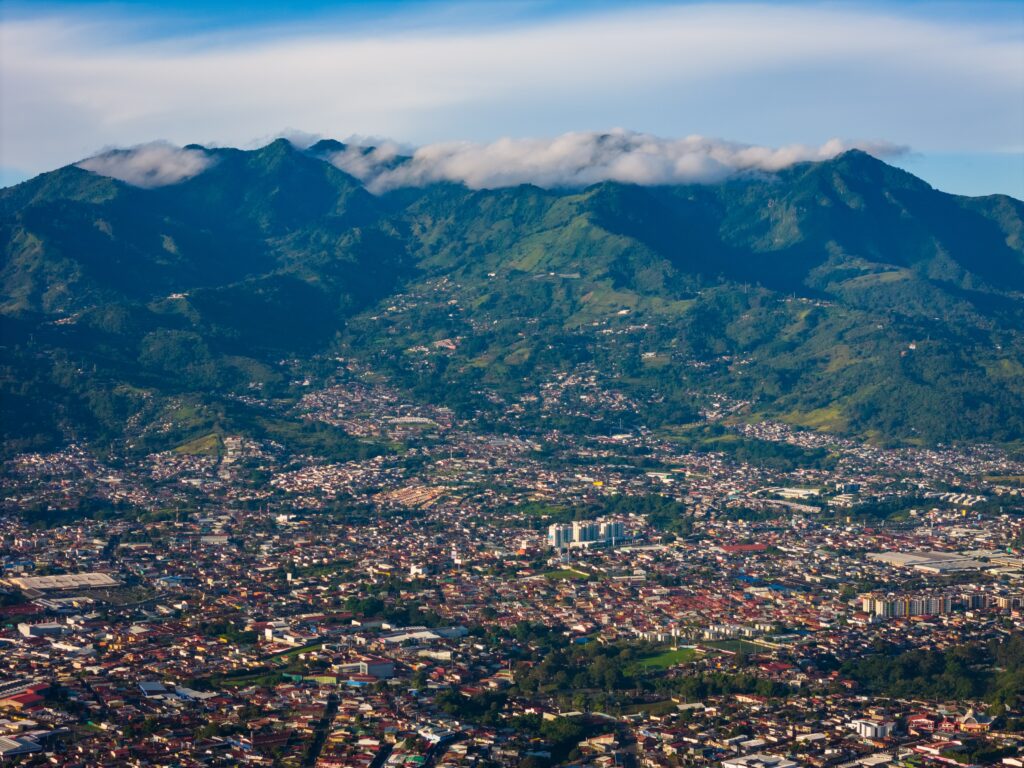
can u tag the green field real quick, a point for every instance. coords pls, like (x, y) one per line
(663, 707)
(296, 651)
(207, 445)
(567, 574)
(736, 646)
(260, 680)
(665, 659)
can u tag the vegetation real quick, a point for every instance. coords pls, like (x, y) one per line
(993, 672)
(566, 574)
(845, 295)
(772, 455)
(700, 686)
(663, 512)
(666, 659)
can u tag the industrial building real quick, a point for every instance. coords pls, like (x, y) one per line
(66, 581)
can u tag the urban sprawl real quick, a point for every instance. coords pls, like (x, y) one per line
(515, 598)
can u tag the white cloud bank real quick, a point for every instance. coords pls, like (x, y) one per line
(767, 73)
(579, 159)
(156, 164)
(571, 160)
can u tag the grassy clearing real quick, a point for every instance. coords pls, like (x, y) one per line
(567, 574)
(664, 707)
(207, 445)
(657, 362)
(672, 308)
(296, 651)
(828, 419)
(665, 659)
(260, 680)
(736, 646)
(840, 357)
(876, 278)
(1007, 479)
(1005, 368)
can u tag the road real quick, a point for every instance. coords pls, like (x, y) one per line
(323, 727)
(382, 756)
(441, 747)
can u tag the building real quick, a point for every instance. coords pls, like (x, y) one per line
(759, 760)
(64, 582)
(612, 532)
(873, 729)
(928, 561)
(560, 536)
(897, 606)
(42, 629)
(585, 533)
(974, 722)
(14, 746)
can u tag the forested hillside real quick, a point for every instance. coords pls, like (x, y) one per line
(844, 295)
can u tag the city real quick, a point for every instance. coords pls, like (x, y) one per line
(487, 600)
(520, 384)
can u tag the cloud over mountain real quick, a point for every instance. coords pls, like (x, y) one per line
(156, 164)
(572, 160)
(80, 75)
(578, 159)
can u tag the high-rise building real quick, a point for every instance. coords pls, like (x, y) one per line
(560, 536)
(586, 533)
(897, 606)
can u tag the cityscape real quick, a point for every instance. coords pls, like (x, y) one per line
(486, 600)
(520, 384)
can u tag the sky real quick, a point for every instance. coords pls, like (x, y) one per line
(938, 86)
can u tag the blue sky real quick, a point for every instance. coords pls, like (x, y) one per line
(945, 80)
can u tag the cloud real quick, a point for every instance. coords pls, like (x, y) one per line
(75, 77)
(580, 159)
(156, 164)
(571, 160)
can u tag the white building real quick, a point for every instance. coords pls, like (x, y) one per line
(42, 629)
(759, 760)
(612, 532)
(560, 536)
(583, 533)
(873, 729)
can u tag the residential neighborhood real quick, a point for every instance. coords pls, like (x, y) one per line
(482, 599)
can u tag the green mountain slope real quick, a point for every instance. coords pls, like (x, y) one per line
(843, 295)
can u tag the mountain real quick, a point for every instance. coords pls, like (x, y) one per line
(844, 295)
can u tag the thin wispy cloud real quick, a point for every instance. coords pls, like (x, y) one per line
(579, 159)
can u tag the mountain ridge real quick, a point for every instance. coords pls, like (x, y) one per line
(843, 294)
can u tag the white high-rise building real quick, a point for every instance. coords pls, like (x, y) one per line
(585, 530)
(584, 533)
(612, 532)
(560, 536)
